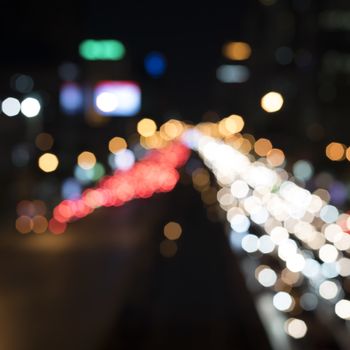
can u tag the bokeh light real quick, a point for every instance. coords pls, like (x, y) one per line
(237, 50)
(30, 107)
(172, 230)
(10, 106)
(48, 162)
(117, 144)
(44, 141)
(272, 102)
(146, 127)
(335, 151)
(296, 328)
(86, 160)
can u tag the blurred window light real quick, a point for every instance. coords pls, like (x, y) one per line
(30, 107)
(308, 301)
(24, 224)
(68, 71)
(71, 189)
(48, 162)
(117, 98)
(146, 127)
(237, 51)
(335, 151)
(295, 328)
(86, 160)
(93, 50)
(11, 106)
(272, 102)
(23, 83)
(284, 55)
(40, 224)
(21, 155)
(155, 64)
(232, 73)
(44, 141)
(168, 248)
(71, 98)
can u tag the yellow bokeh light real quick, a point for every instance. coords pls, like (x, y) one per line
(171, 129)
(231, 125)
(347, 153)
(146, 127)
(262, 147)
(335, 151)
(48, 162)
(237, 51)
(172, 230)
(154, 141)
(272, 102)
(245, 146)
(86, 160)
(275, 157)
(117, 144)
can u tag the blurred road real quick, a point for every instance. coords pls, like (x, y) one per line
(104, 285)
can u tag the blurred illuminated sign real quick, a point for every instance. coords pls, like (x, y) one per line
(117, 98)
(94, 50)
(71, 98)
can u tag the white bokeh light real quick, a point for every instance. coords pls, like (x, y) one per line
(30, 107)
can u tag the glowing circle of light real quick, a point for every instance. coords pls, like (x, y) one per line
(329, 213)
(342, 309)
(282, 301)
(146, 127)
(267, 277)
(30, 107)
(48, 162)
(328, 290)
(250, 243)
(328, 253)
(272, 102)
(295, 328)
(10, 106)
(240, 223)
(172, 230)
(124, 159)
(106, 102)
(117, 144)
(86, 160)
(155, 64)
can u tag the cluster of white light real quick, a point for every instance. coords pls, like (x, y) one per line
(252, 191)
(30, 107)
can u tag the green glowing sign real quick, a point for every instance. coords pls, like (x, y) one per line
(94, 50)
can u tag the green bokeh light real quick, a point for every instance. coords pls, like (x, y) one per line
(93, 50)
